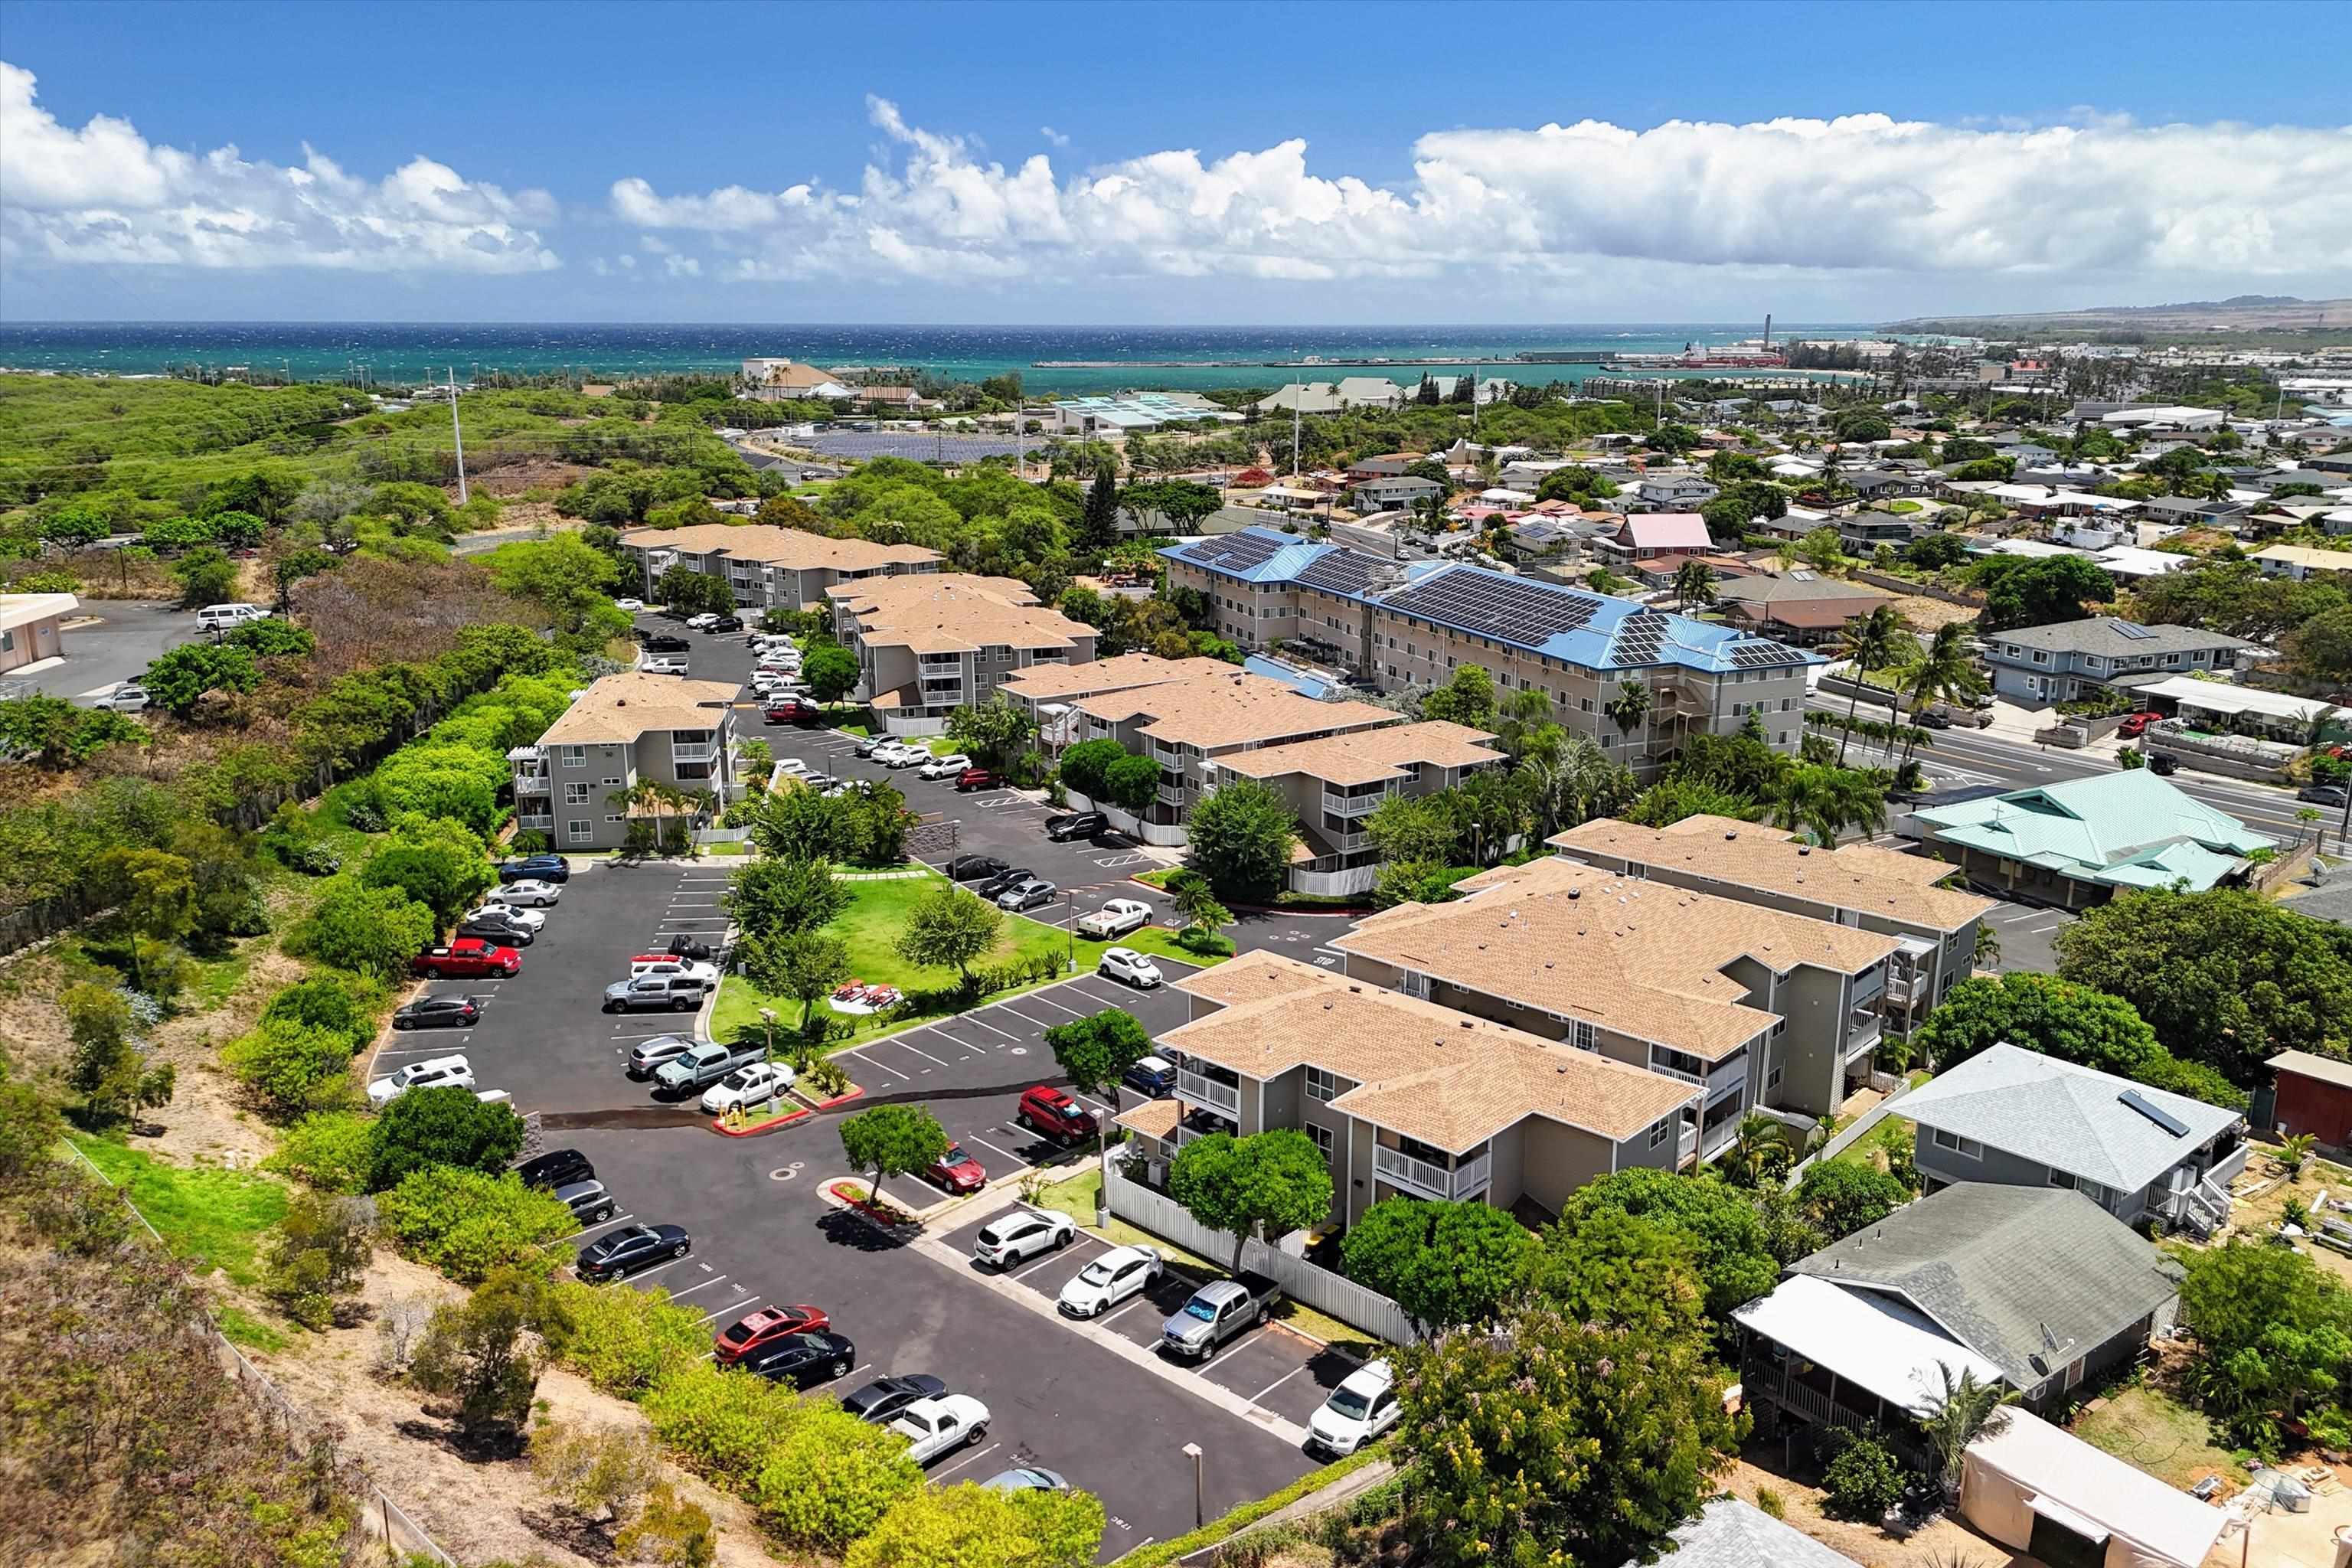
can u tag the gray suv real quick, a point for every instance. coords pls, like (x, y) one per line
(648, 1056)
(652, 992)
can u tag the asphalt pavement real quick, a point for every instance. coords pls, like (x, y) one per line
(128, 637)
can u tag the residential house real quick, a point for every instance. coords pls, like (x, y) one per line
(1729, 1533)
(2077, 659)
(2162, 417)
(626, 730)
(1659, 572)
(1398, 490)
(1756, 1006)
(1334, 783)
(1304, 397)
(1875, 487)
(2073, 844)
(2294, 721)
(769, 567)
(29, 627)
(2047, 1495)
(1189, 726)
(1403, 1096)
(931, 644)
(1384, 465)
(1673, 492)
(1414, 625)
(2128, 566)
(1864, 531)
(2028, 1291)
(1858, 884)
(2021, 1118)
(2195, 511)
(2312, 1094)
(1047, 690)
(1369, 392)
(2301, 562)
(789, 381)
(1645, 535)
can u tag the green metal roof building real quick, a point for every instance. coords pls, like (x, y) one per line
(2075, 844)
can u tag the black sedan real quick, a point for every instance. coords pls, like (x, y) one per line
(439, 1013)
(662, 642)
(726, 623)
(1076, 825)
(976, 868)
(632, 1248)
(806, 1358)
(886, 1396)
(1005, 881)
(503, 933)
(535, 869)
(556, 1168)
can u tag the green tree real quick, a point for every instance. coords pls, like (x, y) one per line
(1098, 524)
(1132, 783)
(802, 966)
(1863, 1480)
(1085, 767)
(2036, 591)
(1275, 1179)
(311, 1266)
(179, 680)
(1873, 643)
(972, 1526)
(993, 734)
(329, 1151)
(440, 1127)
(1242, 833)
(443, 878)
(2227, 978)
(1693, 585)
(1444, 1263)
(2277, 1330)
(1959, 1413)
(483, 1351)
(830, 671)
(29, 1130)
(1094, 1053)
(2321, 648)
(1467, 697)
(832, 1478)
(1936, 551)
(1414, 827)
(1946, 672)
(893, 1140)
(687, 591)
(948, 928)
(1622, 1271)
(54, 732)
(564, 575)
(670, 1531)
(206, 577)
(773, 897)
(291, 1068)
(1737, 1264)
(105, 1067)
(1196, 904)
(369, 931)
(1629, 707)
(1670, 800)
(470, 1225)
(1552, 1441)
(1838, 1197)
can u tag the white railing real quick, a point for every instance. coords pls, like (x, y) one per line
(1171, 794)
(1687, 1145)
(1862, 1029)
(692, 753)
(535, 819)
(1352, 804)
(1203, 1091)
(1431, 1180)
(533, 784)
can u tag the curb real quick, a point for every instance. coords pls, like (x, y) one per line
(906, 1231)
(754, 1128)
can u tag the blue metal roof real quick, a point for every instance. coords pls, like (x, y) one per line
(1575, 625)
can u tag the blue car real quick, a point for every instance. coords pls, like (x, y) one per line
(535, 869)
(1152, 1076)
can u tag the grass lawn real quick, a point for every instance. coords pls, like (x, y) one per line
(1075, 1195)
(871, 925)
(1893, 1132)
(240, 1327)
(2143, 1424)
(213, 1218)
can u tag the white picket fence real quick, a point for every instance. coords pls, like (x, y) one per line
(1318, 1288)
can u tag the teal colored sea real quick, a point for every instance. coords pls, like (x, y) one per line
(406, 352)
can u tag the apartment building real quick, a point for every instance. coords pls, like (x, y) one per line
(1414, 625)
(1334, 783)
(1045, 691)
(1192, 727)
(1757, 1007)
(770, 568)
(1860, 885)
(1405, 1096)
(929, 643)
(626, 730)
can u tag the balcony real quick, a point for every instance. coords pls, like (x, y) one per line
(543, 820)
(1171, 794)
(533, 784)
(1200, 1090)
(1864, 1027)
(701, 754)
(1352, 804)
(1724, 1075)
(1687, 1145)
(1467, 1180)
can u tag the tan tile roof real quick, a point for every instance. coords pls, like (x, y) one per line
(931, 613)
(1423, 1070)
(1230, 709)
(1046, 683)
(1370, 756)
(794, 548)
(1152, 1119)
(1641, 958)
(1740, 854)
(626, 706)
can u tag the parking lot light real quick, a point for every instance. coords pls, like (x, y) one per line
(1199, 1513)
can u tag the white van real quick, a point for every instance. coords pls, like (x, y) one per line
(226, 617)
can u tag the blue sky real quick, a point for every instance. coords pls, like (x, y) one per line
(1140, 163)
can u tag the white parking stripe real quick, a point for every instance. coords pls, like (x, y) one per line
(586, 1230)
(1006, 1152)
(1029, 1268)
(1139, 1298)
(1278, 1381)
(736, 1306)
(976, 1018)
(967, 1459)
(901, 1041)
(706, 1284)
(1040, 997)
(656, 1269)
(860, 1052)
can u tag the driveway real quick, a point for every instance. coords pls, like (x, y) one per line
(2029, 937)
(130, 635)
(763, 1235)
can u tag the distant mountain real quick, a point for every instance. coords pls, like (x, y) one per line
(2241, 312)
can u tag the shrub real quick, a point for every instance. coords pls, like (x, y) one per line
(623, 1341)
(1864, 1480)
(327, 1150)
(29, 1128)
(721, 1421)
(372, 931)
(346, 1004)
(1769, 1504)
(448, 1126)
(291, 1069)
(831, 1477)
(321, 1246)
(466, 1224)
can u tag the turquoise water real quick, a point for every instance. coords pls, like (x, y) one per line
(407, 353)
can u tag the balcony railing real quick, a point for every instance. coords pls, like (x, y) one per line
(1687, 1145)
(533, 784)
(1723, 1075)
(1862, 1027)
(1201, 1090)
(1467, 1180)
(692, 753)
(535, 819)
(1171, 794)
(1352, 804)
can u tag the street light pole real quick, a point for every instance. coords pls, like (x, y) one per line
(1199, 1513)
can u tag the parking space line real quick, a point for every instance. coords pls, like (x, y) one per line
(860, 1052)
(1040, 997)
(706, 1284)
(844, 1377)
(1029, 1268)
(976, 1018)
(429, 1051)
(718, 1312)
(1090, 1100)
(1140, 1298)
(1278, 1381)
(584, 1230)
(649, 1273)
(1006, 1152)
(967, 1459)
(1032, 1023)
(901, 1041)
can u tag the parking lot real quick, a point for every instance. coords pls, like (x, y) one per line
(127, 636)
(764, 1236)
(2029, 937)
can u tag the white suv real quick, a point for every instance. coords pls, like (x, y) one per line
(945, 767)
(437, 1072)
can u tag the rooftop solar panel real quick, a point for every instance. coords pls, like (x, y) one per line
(1339, 572)
(1232, 551)
(1522, 612)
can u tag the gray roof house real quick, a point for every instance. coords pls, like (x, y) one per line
(2076, 659)
(2022, 1119)
(1729, 1533)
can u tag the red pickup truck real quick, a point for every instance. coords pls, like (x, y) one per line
(465, 957)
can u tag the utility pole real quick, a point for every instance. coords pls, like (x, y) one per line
(459, 431)
(1298, 402)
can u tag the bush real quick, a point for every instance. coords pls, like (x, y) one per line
(831, 1477)
(466, 1224)
(623, 1340)
(1864, 1480)
(348, 1004)
(29, 1129)
(427, 1127)
(373, 931)
(327, 1150)
(720, 1421)
(316, 1258)
(293, 1068)
(1769, 1504)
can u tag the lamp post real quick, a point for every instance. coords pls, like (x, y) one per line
(1199, 1512)
(768, 1026)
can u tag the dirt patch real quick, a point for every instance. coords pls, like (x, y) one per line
(499, 476)
(1942, 1543)
(1926, 614)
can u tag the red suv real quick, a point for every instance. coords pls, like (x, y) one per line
(2136, 725)
(1055, 1116)
(467, 956)
(793, 714)
(978, 778)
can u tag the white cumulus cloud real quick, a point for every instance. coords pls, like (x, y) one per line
(2100, 197)
(105, 194)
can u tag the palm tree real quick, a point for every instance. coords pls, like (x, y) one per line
(1872, 647)
(1522, 716)
(1693, 585)
(1629, 707)
(1965, 1411)
(1945, 671)
(1987, 948)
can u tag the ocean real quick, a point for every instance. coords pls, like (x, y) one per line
(399, 352)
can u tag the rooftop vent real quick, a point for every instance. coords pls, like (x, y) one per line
(1576, 892)
(1469, 1024)
(1804, 849)
(1730, 837)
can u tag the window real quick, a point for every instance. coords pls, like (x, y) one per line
(1662, 1130)
(575, 757)
(1324, 1140)
(1967, 1148)
(1321, 1085)
(579, 832)
(1584, 1037)
(575, 794)
(612, 784)
(1771, 1080)
(1416, 984)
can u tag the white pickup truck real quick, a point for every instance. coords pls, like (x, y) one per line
(1116, 918)
(933, 1427)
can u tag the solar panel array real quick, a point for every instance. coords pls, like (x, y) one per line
(1641, 639)
(1340, 572)
(1759, 655)
(1234, 551)
(1497, 608)
(2133, 630)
